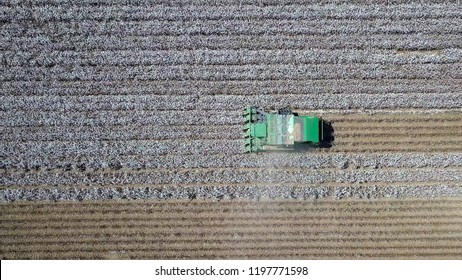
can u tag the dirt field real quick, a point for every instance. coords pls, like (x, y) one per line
(277, 229)
(121, 129)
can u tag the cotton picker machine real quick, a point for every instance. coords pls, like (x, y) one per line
(281, 130)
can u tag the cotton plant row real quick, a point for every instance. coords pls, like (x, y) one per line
(220, 3)
(192, 178)
(121, 133)
(142, 132)
(64, 162)
(250, 192)
(98, 118)
(46, 42)
(46, 111)
(228, 57)
(338, 101)
(89, 103)
(235, 26)
(234, 72)
(118, 148)
(229, 87)
(45, 13)
(138, 104)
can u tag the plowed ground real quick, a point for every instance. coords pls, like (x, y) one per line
(265, 229)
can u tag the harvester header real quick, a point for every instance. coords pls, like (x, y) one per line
(280, 130)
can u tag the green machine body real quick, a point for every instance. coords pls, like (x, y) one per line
(280, 130)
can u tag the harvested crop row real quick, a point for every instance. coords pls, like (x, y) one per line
(150, 251)
(123, 238)
(403, 131)
(201, 207)
(427, 147)
(405, 140)
(409, 117)
(242, 254)
(201, 88)
(173, 248)
(352, 235)
(90, 42)
(412, 125)
(192, 12)
(60, 246)
(227, 57)
(235, 218)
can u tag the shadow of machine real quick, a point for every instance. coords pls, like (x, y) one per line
(328, 135)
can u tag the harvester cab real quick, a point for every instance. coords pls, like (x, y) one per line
(281, 130)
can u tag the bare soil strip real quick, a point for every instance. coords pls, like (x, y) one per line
(178, 230)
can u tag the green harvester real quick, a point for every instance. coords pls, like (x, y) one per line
(282, 130)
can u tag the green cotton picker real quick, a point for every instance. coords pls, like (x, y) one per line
(282, 130)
